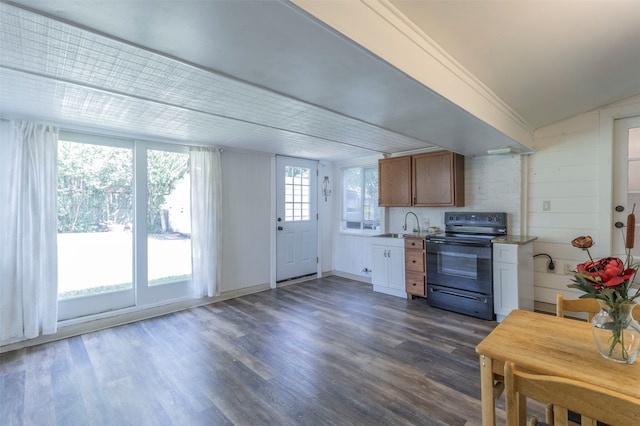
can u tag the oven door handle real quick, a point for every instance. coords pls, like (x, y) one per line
(462, 243)
(464, 296)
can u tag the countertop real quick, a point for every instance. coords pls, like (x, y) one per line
(508, 239)
(514, 239)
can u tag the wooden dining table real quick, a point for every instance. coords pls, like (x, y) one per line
(545, 344)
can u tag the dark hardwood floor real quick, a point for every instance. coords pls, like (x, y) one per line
(323, 352)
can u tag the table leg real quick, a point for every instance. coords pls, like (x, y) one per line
(486, 391)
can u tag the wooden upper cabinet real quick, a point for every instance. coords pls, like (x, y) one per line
(394, 182)
(438, 179)
(433, 179)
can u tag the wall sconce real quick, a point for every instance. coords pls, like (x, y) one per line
(326, 187)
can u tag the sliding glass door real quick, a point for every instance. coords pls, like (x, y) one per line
(123, 224)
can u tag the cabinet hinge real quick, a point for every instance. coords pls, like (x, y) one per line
(317, 260)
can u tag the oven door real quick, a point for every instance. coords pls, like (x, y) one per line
(462, 266)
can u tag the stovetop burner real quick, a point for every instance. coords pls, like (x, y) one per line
(472, 227)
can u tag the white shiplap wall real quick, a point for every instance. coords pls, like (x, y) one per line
(564, 171)
(572, 170)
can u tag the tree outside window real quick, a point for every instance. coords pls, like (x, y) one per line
(360, 209)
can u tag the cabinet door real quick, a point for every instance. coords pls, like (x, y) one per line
(394, 182)
(438, 179)
(505, 288)
(380, 269)
(395, 260)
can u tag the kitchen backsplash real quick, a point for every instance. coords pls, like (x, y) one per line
(492, 183)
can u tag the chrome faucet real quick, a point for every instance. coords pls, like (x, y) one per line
(417, 222)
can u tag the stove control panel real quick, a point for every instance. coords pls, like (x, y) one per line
(475, 219)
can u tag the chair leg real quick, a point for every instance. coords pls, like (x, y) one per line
(549, 414)
(522, 409)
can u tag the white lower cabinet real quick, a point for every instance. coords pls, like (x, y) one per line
(512, 278)
(387, 275)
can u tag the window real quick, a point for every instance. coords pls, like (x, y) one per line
(124, 224)
(168, 217)
(360, 211)
(95, 207)
(296, 193)
(633, 180)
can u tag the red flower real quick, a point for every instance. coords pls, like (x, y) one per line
(607, 272)
(583, 242)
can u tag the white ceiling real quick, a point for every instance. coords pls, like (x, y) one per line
(264, 75)
(547, 59)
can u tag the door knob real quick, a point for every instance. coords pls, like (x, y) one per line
(280, 228)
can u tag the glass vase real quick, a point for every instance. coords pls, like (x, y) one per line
(616, 333)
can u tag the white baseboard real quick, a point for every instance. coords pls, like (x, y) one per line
(92, 323)
(351, 276)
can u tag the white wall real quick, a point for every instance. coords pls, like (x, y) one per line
(246, 219)
(564, 171)
(572, 169)
(325, 212)
(247, 222)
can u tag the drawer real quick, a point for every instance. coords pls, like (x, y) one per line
(415, 284)
(414, 260)
(414, 243)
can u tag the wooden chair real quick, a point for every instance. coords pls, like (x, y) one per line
(590, 306)
(590, 401)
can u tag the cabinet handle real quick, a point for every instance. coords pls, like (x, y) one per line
(413, 261)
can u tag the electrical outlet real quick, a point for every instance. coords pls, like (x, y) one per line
(568, 268)
(546, 206)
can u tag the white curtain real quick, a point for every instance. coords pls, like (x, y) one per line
(206, 194)
(28, 230)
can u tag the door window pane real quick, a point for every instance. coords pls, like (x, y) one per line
(634, 143)
(168, 217)
(95, 216)
(296, 190)
(633, 182)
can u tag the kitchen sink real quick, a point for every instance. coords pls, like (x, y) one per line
(391, 236)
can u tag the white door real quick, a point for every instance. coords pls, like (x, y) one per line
(297, 217)
(626, 181)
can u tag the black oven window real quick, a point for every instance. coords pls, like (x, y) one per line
(463, 265)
